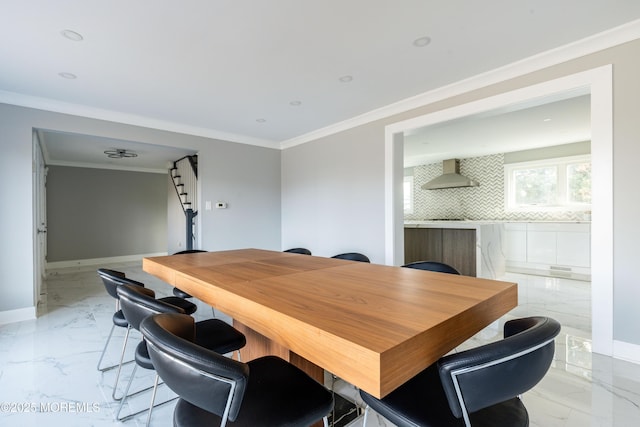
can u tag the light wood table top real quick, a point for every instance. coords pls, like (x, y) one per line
(375, 326)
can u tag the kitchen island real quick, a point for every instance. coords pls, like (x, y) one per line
(473, 247)
(489, 248)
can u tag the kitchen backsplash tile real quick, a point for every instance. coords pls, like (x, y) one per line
(478, 203)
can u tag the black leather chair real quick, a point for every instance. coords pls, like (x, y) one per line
(112, 280)
(352, 256)
(214, 390)
(303, 251)
(138, 303)
(107, 276)
(477, 387)
(436, 266)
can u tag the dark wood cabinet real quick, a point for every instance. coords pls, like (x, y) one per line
(453, 246)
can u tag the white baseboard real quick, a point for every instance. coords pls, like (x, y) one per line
(18, 315)
(626, 351)
(99, 261)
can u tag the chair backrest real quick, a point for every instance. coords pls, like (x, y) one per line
(436, 266)
(303, 251)
(352, 256)
(200, 376)
(499, 371)
(190, 251)
(111, 279)
(137, 303)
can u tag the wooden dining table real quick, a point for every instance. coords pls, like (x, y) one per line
(375, 326)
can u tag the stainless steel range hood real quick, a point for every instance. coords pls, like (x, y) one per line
(450, 177)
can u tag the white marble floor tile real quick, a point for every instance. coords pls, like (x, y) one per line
(48, 370)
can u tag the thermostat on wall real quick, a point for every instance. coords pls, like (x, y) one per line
(221, 205)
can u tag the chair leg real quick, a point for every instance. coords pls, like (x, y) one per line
(124, 347)
(126, 393)
(153, 399)
(149, 410)
(104, 350)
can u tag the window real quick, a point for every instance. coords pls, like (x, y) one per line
(407, 186)
(548, 185)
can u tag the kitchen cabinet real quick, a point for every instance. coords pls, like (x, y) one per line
(515, 242)
(456, 247)
(545, 245)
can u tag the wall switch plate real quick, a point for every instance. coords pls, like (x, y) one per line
(207, 205)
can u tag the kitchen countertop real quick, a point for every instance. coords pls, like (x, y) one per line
(473, 223)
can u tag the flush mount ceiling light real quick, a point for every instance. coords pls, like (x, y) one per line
(72, 35)
(261, 120)
(346, 79)
(120, 153)
(422, 41)
(295, 103)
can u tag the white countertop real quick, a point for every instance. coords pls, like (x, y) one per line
(473, 223)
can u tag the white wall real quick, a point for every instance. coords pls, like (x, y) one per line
(331, 198)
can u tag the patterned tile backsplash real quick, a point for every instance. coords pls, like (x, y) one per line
(485, 202)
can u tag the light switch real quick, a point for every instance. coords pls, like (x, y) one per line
(207, 205)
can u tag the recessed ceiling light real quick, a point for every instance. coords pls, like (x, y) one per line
(346, 79)
(72, 35)
(261, 120)
(70, 76)
(422, 41)
(295, 103)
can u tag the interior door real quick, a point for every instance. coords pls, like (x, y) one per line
(39, 219)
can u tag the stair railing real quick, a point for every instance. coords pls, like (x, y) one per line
(185, 180)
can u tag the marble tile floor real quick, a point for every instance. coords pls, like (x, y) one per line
(48, 370)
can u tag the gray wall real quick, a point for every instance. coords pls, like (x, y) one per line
(325, 176)
(100, 213)
(247, 177)
(332, 198)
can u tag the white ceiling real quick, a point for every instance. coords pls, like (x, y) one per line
(517, 128)
(231, 69)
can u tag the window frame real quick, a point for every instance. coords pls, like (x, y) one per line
(408, 180)
(561, 164)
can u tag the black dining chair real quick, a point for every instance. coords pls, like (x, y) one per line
(107, 276)
(476, 387)
(214, 390)
(436, 266)
(213, 334)
(352, 256)
(112, 281)
(302, 251)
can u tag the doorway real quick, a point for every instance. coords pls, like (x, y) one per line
(597, 83)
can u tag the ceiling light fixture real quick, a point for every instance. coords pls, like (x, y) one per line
(346, 79)
(261, 120)
(295, 103)
(69, 76)
(422, 41)
(120, 153)
(72, 35)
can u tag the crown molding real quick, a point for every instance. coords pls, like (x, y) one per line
(110, 167)
(57, 106)
(604, 40)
